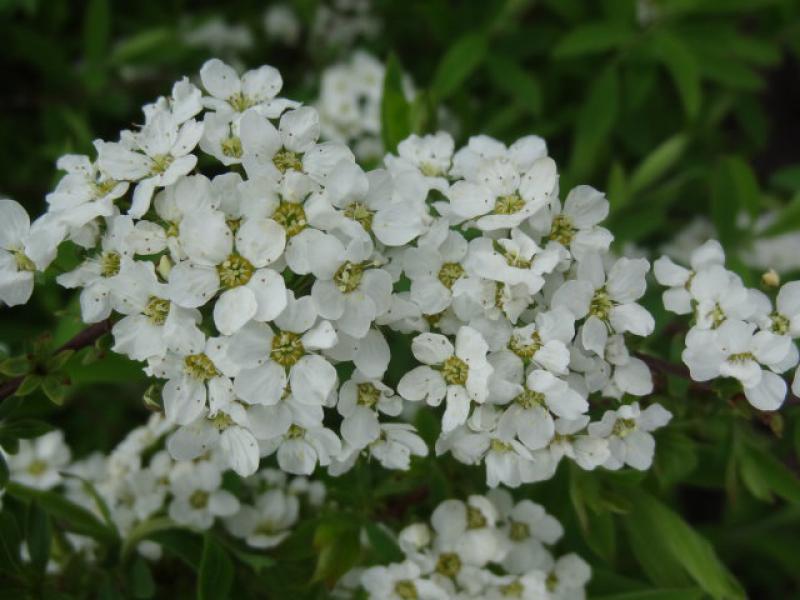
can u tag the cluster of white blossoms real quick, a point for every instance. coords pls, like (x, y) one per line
(261, 295)
(349, 104)
(487, 547)
(736, 331)
(139, 482)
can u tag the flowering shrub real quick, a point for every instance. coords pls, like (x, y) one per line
(388, 352)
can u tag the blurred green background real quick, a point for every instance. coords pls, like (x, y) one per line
(679, 109)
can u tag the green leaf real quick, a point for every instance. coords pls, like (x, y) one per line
(593, 38)
(3, 471)
(10, 542)
(686, 546)
(99, 502)
(15, 366)
(595, 121)
(183, 544)
(24, 429)
(787, 178)
(763, 473)
(517, 82)
(55, 389)
(38, 536)
(384, 545)
(724, 206)
(458, 63)
(395, 109)
(69, 515)
(657, 163)
(338, 550)
(96, 31)
(29, 385)
(215, 577)
(788, 219)
(140, 580)
(677, 57)
(664, 594)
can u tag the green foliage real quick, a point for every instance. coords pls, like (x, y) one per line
(687, 111)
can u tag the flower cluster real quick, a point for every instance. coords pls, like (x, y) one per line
(486, 547)
(140, 483)
(261, 297)
(736, 332)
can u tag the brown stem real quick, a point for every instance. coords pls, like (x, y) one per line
(82, 339)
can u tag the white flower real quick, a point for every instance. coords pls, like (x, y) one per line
(197, 497)
(24, 249)
(299, 449)
(293, 146)
(514, 261)
(678, 298)
(360, 401)
(588, 451)
(287, 357)
(609, 301)
(575, 226)
(96, 275)
(251, 290)
(462, 374)
(529, 416)
(400, 581)
(155, 156)
(38, 462)
(719, 294)
(256, 89)
(785, 320)
(152, 324)
(349, 290)
(84, 193)
(267, 523)
(435, 267)
(628, 432)
(736, 350)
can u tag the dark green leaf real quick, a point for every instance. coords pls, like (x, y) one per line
(140, 580)
(215, 576)
(686, 546)
(764, 473)
(595, 121)
(458, 63)
(657, 163)
(593, 38)
(96, 31)
(384, 545)
(671, 594)
(38, 536)
(395, 109)
(677, 57)
(24, 429)
(70, 516)
(517, 82)
(29, 385)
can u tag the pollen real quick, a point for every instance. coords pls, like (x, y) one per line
(287, 348)
(234, 271)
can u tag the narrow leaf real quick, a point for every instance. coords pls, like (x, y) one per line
(215, 577)
(460, 61)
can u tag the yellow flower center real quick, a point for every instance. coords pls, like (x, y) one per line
(234, 271)
(232, 147)
(348, 277)
(530, 399)
(406, 590)
(450, 273)
(295, 431)
(291, 217)
(221, 421)
(37, 467)
(200, 367)
(286, 159)
(475, 518)
(239, 102)
(449, 564)
(102, 188)
(358, 211)
(109, 264)
(780, 324)
(508, 205)
(512, 590)
(601, 304)
(562, 230)
(287, 348)
(519, 531)
(368, 395)
(160, 163)
(523, 350)
(157, 310)
(198, 500)
(23, 262)
(500, 446)
(623, 427)
(455, 371)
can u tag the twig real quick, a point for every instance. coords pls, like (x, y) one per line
(82, 339)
